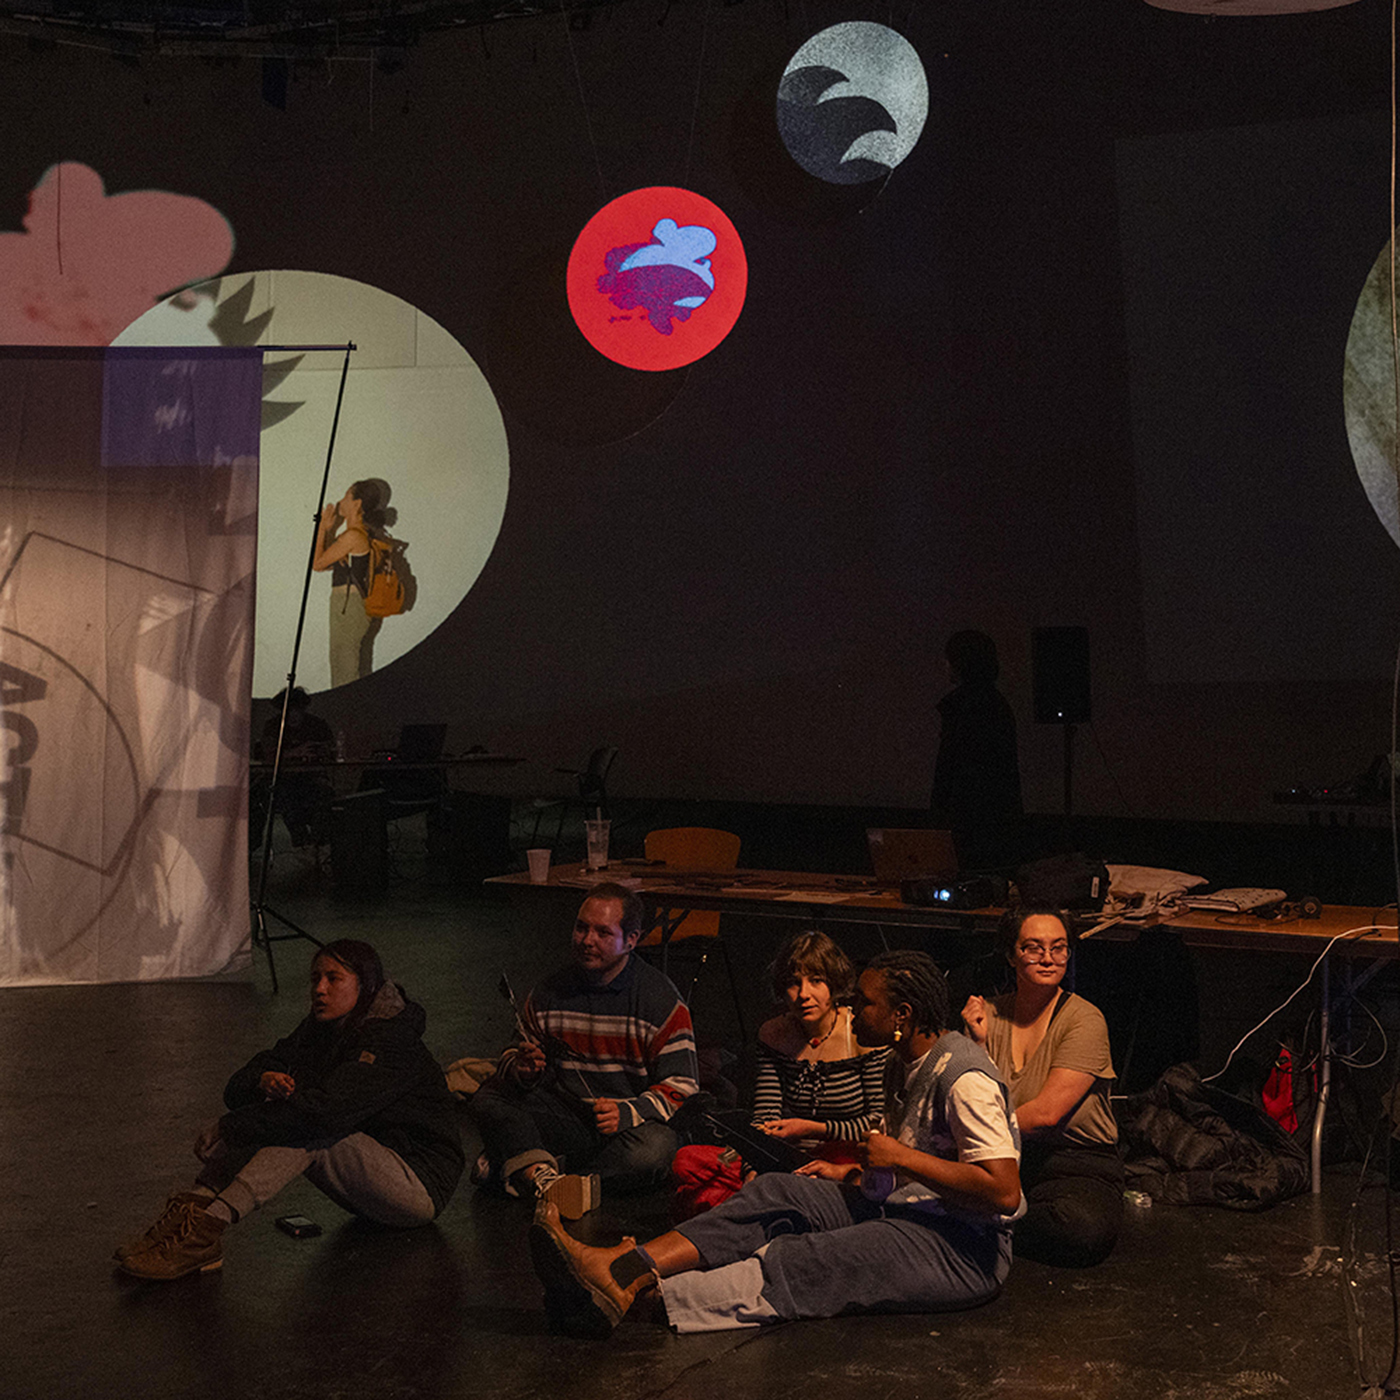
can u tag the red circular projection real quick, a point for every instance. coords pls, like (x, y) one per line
(657, 278)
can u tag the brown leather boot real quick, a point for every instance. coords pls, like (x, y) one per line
(193, 1242)
(587, 1291)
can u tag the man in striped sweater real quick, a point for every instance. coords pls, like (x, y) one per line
(606, 1058)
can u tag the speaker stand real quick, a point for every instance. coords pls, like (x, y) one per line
(1069, 767)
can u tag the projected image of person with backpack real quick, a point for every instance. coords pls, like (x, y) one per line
(366, 582)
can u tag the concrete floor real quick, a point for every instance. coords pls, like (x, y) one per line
(103, 1088)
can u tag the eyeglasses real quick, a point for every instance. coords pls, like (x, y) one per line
(1038, 952)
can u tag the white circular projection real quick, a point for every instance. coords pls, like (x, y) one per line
(1368, 395)
(852, 102)
(417, 415)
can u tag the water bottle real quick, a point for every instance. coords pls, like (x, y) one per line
(876, 1183)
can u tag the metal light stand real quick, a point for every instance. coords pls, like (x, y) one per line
(262, 938)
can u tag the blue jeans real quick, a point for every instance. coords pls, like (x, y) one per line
(522, 1127)
(822, 1250)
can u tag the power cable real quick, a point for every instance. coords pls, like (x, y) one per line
(567, 15)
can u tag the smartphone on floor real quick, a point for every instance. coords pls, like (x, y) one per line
(299, 1227)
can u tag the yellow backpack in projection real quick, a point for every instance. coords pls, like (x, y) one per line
(384, 592)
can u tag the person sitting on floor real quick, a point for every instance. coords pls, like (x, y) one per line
(923, 1226)
(606, 1056)
(814, 1085)
(1052, 1046)
(351, 1099)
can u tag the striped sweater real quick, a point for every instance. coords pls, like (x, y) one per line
(846, 1097)
(629, 1039)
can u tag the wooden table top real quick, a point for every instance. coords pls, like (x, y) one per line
(1369, 932)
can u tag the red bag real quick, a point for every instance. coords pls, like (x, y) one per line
(1278, 1092)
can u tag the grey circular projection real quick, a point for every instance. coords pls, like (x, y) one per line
(852, 103)
(1368, 395)
(418, 417)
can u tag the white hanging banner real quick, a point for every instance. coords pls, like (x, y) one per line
(128, 540)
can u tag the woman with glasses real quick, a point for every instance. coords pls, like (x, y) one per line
(814, 1084)
(1052, 1047)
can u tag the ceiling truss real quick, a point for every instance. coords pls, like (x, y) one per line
(289, 29)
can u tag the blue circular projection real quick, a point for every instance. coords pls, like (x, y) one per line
(852, 103)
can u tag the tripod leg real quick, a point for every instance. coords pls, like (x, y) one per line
(261, 940)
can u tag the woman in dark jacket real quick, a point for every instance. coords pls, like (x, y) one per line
(351, 1099)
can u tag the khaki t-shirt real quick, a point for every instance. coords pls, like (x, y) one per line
(1077, 1039)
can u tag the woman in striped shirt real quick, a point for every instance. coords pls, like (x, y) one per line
(815, 1085)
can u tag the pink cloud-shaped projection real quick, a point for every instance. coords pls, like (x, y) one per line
(89, 263)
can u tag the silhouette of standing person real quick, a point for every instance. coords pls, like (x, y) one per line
(345, 552)
(977, 776)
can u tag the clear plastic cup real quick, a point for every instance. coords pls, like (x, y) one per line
(597, 832)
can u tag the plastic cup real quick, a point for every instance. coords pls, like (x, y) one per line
(597, 832)
(538, 857)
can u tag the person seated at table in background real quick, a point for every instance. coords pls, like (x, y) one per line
(1052, 1047)
(605, 1056)
(303, 799)
(351, 1099)
(923, 1225)
(814, 1085)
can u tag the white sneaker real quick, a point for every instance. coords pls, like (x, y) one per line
(574, 1196)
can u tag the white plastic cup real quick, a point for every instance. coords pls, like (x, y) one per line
(538, 857)
(597, 831)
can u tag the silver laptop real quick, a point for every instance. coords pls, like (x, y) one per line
(906, 853)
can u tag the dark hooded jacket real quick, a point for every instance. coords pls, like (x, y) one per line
(374, 1077)
(1189, 1143)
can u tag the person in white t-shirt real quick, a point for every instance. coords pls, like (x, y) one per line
(921, 1224)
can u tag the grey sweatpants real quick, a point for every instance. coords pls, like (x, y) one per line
(358, 1173)
(789, 1247)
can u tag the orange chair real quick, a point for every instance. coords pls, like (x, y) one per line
(693, 848)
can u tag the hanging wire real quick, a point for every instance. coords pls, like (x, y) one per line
(1108, 768)
(1349, 1283)
(1394, 320)
(1359, 932)
(58, 220)
(567, 15)
(1350, 1057)
(1388, 1385)
(695, 106)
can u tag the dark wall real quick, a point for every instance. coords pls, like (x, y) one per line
(743, 574)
